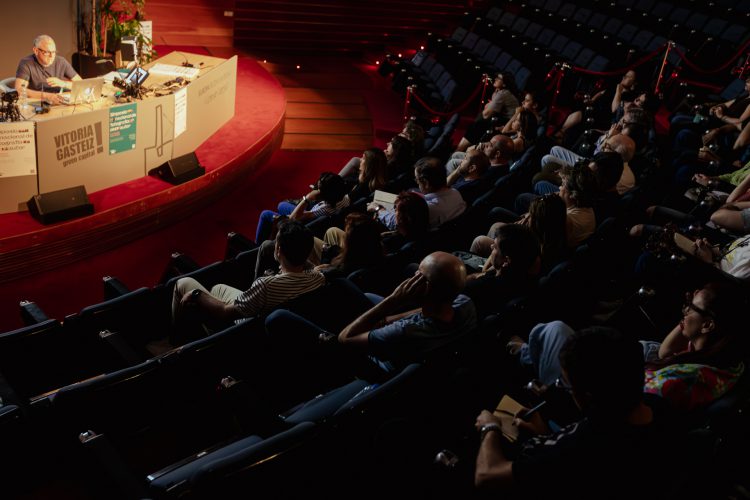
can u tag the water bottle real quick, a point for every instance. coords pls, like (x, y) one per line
(24, 101)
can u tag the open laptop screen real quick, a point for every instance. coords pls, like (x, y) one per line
(87, 90)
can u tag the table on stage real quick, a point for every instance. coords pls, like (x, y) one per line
(106, 143)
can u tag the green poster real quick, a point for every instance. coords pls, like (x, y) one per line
(122, 120)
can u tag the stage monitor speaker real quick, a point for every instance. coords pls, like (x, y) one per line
(57, 206)
(180, 169)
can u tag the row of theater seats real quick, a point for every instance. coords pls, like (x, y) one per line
(544, 33)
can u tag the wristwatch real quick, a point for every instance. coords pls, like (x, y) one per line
(195, 294)
(488, 428)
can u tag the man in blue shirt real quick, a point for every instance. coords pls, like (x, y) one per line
(43, 73)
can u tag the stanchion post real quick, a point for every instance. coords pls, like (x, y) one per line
(407, 101)
(670, 45)
(485, 82)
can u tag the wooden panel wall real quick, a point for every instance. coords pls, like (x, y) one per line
(342, 25)
(191, 22)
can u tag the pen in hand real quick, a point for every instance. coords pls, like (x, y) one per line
(526, 415)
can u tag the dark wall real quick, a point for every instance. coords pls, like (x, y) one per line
(56, 18)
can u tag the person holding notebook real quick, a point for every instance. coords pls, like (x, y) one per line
(43, 74)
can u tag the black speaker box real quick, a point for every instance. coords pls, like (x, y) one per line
(180, 169)
(56, 206)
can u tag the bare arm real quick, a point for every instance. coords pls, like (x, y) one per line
(455, 175)
(493, 469)
(358, 331)
(300, 212)
(673, 343)
(741, 189)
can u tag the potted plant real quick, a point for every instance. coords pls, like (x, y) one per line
(103, 23)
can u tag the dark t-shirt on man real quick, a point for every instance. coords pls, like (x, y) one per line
(30, 70)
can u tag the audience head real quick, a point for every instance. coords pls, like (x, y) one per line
(605, 370)
(362, 245)
(294, 242)
(709, 321)
(445, 275)
(430, 174)
(499, 149)
(621, 144)
(412, 215)
(530, 102)
(332, 188)
(414, 132)
(607, 169)
(516, 250)
(579, 186)
(399, 151)
(527, 124)
(547, 220)
(476, 163)
(372, 169)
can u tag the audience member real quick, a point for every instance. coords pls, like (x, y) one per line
(501, 105)
(444, 203)
(597, 456)
(511, 270)
(223, 303)
(327, 197)
(392, 337)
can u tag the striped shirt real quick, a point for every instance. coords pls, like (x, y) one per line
(324, 208)
(268, 292)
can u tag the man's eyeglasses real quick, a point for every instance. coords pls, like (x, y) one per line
(47, 52)
(688, 306)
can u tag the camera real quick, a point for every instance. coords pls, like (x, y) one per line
(10, 97)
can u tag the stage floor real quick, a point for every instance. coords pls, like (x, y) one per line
(131, 210)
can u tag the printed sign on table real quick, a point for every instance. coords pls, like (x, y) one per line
(122, 127)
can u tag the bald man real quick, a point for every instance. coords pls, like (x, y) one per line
(43, 73)
(389, 337)
(499, 149)
(443, 315)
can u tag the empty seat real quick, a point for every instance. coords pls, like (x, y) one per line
(715, 27)
(584, 57)
(470, 40)
(597, 21)
(627, 32)
(735, 34)
(502, 61)
(567, 10)
(513, 66)
(599, 63)
(642, 38)
(507, 20)
(571, 50)
(559, 43)
(582, 15)
(522, 78)
(532, 31)
(459, 34)
(494, 14)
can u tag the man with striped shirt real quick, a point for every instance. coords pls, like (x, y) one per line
(224, 303)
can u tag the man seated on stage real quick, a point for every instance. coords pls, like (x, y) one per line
(44, 74)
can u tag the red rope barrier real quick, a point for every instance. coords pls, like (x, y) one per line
(722, 67)
(449, 113)
(621, 71)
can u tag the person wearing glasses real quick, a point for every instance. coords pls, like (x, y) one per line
(697, 362)
(620, 430)
(702, 357)
(43, 74)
